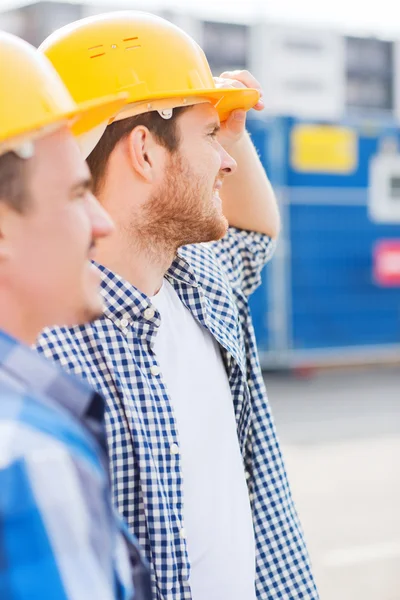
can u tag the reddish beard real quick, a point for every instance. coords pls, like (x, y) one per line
(183, 211)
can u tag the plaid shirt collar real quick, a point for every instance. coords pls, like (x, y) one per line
(43, 379)
(122, 300)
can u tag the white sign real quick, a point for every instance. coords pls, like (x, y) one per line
(302, 71)
(384, 188)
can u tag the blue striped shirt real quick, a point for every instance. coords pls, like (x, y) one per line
(59, 536)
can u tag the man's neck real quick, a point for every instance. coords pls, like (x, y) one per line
(143, 265)
(16, 322)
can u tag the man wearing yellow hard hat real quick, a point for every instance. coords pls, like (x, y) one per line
(196, 466)
(59, 537)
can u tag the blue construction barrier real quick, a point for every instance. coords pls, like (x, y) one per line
(318, 295)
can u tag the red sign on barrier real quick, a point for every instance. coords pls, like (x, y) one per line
(386, 264)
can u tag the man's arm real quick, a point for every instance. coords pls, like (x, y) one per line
(248, 198)
(56, 542)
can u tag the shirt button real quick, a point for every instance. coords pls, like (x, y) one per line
(174, 449)
(124, 322)
(149, 313)
(182, 533)
(154, 370)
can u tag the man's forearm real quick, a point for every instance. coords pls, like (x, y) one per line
(248, 198)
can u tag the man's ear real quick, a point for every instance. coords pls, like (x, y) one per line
(143, 153)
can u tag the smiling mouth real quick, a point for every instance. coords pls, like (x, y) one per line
(217, 187)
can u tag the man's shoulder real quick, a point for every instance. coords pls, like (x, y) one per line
(73, 336)
(73, 348)
(31, 428)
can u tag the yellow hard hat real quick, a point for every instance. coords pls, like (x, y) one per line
(33, 98)
(141, 54)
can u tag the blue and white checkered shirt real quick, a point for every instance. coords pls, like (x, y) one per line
(59, 536)
(116, 355)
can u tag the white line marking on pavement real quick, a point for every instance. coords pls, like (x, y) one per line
(360, 554)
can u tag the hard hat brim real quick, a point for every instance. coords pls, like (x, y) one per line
(91, 113)
(81, 119)
(225, 100)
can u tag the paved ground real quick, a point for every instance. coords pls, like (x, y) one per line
(340, 433)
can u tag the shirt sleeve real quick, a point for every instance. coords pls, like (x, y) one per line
(243, 254)
(55, 534)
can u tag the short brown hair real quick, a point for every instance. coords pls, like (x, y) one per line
(13, 177)
(164, 130)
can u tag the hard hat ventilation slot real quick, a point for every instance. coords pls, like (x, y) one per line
(132, 46)
(97, 51)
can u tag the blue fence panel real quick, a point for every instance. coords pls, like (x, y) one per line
(335, 301)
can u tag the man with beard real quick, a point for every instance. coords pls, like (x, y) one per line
(196, 466)
(59, 536)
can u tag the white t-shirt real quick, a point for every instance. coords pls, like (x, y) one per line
(217, 514)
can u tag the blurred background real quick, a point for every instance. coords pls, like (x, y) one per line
(327, 315)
